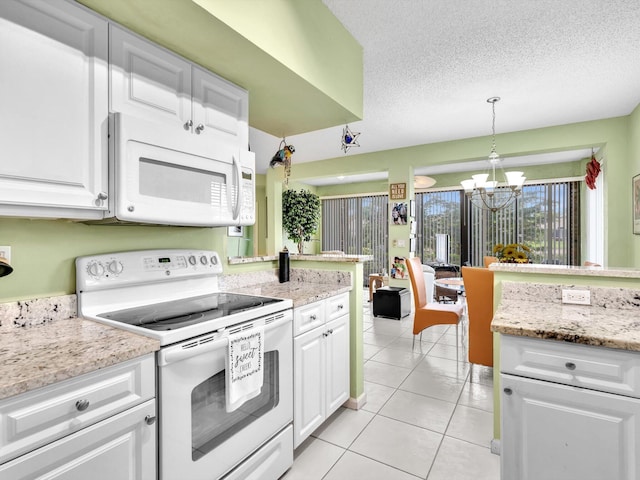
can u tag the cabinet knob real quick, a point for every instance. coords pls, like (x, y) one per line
(325, 334)
(199, 128)
(150, 419)
(340, 307)
(312, 317)
(570, 365)
(82, 405)
(331, 331)
(188, 125)
(507, 391)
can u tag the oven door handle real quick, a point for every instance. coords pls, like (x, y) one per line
(179, 352)
(190, 349)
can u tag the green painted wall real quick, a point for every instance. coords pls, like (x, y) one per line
(634, 168)
(43, 252)
(613, 135)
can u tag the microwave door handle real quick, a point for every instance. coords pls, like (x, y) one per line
(238, 172)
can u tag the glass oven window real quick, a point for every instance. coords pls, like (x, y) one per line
(211, 424)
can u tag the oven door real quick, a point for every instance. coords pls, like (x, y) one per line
(199, 439)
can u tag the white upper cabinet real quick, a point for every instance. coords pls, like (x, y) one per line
(147, 81)
(220, 108)
(53, 125)
(150, 82)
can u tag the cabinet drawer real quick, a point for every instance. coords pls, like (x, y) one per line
(307, 317)
(39, 417)
(337, 306)
(597, 368)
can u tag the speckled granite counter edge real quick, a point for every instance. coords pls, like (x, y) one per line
(309, 257)
(536, 310)
(614, 272)
(43, 342)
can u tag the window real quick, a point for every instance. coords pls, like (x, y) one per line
(358, 225)
(545, 217)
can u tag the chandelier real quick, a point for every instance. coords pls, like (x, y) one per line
(490, 194)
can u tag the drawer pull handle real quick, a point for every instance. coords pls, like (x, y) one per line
(312, 317)
(570, 365)
(325, 334)
(150, 419)
(508, 391)
(82, 405)
(340, 307)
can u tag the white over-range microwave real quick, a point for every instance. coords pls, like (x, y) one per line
(166, 176)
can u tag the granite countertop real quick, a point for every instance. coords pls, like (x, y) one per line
(301, 293)
(34, 355)
(326, 257)
(535, 310)
(615, 272)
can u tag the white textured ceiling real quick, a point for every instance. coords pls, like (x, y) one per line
(429, 67)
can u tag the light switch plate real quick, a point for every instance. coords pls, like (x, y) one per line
(5, 252)
(576, 297)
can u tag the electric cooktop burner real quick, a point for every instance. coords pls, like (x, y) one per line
(184, 312)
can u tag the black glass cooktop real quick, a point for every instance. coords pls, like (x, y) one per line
(181, 313)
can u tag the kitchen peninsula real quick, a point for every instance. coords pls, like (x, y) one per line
(568, 383)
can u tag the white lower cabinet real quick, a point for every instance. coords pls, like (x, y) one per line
(100, 425)
(321, 366)
(122, 447)
(568, 432)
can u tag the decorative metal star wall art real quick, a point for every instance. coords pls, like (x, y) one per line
(349, 138)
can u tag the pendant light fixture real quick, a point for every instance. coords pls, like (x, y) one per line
(490, 194)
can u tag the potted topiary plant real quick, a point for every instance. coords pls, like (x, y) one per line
(300, 215)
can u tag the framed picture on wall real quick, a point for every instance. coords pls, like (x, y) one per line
(399, 214)
(635, 192)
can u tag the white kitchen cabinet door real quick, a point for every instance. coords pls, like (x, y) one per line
(308, 383)
(220, 109)
(337, 362)
(148, 81)
(54, 97)
(122, 447)
(553, 431)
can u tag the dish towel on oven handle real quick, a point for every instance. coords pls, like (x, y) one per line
(244, 367)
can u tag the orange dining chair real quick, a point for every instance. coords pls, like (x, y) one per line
(478, 287)
(489, 260)
(429, 314)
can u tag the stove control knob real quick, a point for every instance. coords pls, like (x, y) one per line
(115, 267)
(214, 260)
(95, 269)
(192, 259)
(203, 260)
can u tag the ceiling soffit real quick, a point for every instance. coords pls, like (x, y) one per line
(302, 69)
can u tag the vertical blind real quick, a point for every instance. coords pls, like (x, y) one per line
(358, 225)
(438, 212)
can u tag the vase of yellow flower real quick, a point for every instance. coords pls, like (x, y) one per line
(512, 253)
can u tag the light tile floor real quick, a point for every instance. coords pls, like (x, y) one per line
(428, 415)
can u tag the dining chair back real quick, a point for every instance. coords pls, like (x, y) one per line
(428, 314)
(478, 287)
(489, 260)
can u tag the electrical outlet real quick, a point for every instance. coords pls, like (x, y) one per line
(576, 297)
(5, 252)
